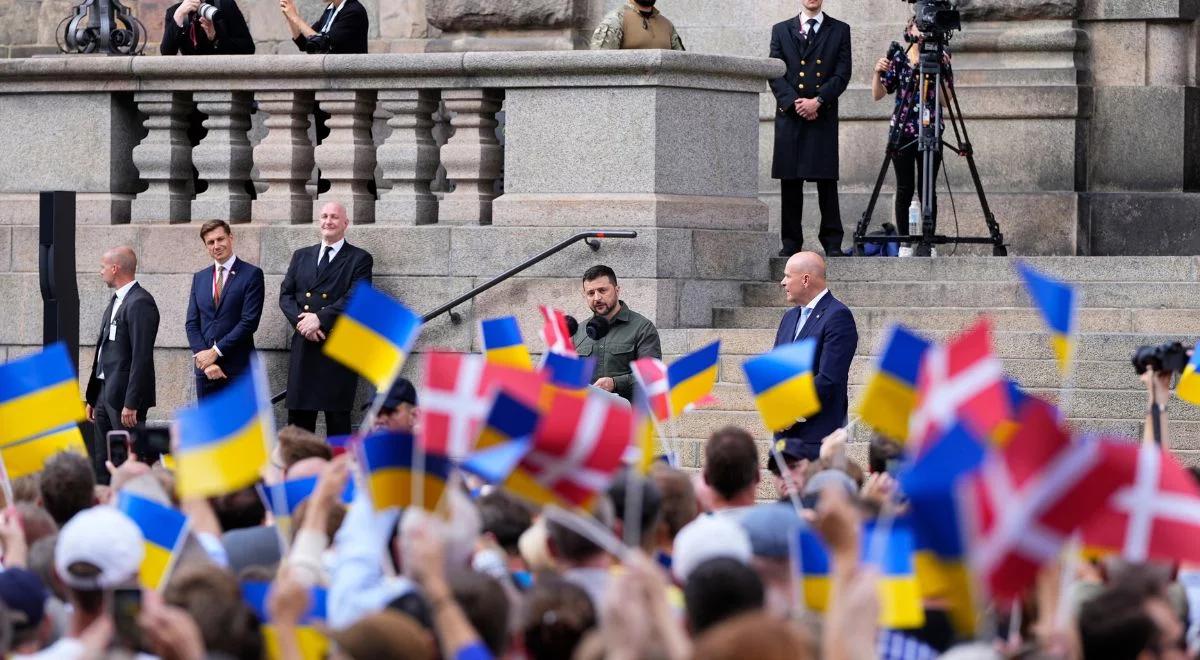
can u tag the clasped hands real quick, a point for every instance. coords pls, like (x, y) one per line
(206, 361)
(310, 327)
(807, 108)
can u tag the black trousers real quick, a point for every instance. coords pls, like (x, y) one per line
(910, 177)
(337, 422)
(108, 419)
(792, 212)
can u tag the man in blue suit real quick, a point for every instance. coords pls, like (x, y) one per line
(822, 317)
(223, 312)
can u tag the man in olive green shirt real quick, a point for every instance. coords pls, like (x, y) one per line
(618, 335)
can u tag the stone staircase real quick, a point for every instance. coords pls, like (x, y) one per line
(1125, 302)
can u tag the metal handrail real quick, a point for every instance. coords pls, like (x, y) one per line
(588, 237)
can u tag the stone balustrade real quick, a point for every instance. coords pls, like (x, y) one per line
(662, 138)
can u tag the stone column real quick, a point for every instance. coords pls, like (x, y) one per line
(472, 157)
(285, 159)
(164, 159)
(347, 157)
(223, 157)
(409, 158)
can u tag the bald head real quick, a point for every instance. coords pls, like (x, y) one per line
(333, 222)
(118, 266)
(803, 277)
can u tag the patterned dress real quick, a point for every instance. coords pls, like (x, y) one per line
(902, 80)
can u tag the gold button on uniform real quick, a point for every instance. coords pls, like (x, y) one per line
(324, 295)
(306, 308)
(801, 85)
(818, 62)
(818, 74)
(308, 294)
(803, 63)
(801, 74)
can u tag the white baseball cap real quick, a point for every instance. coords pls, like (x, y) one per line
(708, 537)
(105, 538)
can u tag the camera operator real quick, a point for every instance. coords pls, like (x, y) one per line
(341, 29)
(899, 73)
(1158, 393)
(206, 27)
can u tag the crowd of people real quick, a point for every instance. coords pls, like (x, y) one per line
(705, 570)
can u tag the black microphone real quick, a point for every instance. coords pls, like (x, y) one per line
(597, 327)
(572, 325)
(894, 50)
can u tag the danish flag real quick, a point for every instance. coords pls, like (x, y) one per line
(554, 331)
(1156, 515)
(1029, 497)
(651, 375)
(578, 446)
(961, 380)
(456, 394)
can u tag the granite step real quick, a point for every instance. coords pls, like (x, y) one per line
(985, 294)
(976, 269)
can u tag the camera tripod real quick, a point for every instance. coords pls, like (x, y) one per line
(929, 141)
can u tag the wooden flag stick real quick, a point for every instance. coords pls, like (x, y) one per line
(793, 492)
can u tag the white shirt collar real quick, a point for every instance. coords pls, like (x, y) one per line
(804, 19)
(124, 290)
(812, 304)
(228, 263)
(337, 247)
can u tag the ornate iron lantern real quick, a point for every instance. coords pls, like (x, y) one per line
(101, 26)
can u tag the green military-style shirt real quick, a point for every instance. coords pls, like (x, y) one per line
(631, 336)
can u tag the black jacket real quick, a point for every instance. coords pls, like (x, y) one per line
(348, 34)
(231, 326)
(809, 149)
(233, 35)
(128, 359)
(832, 324)
(315, 381)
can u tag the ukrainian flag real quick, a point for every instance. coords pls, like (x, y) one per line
(373, 335)
(900, 604)
(313, 643)
(1188, 388)
(1057, 302)
(891, 394)
(25, 457)
(782, 384)
(566, 373)
(284, 498)
(502, 343)
(163, 529)
(643, 430)
(222, 441)
(941, 561)
(692, 377)
(38, 393)
(1005, 430)
(810, 563)
(509, 419)
(387, 460)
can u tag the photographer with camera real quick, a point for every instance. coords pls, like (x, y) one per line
(898, 73)
(206, 27)
(615, 336)
(341, 29)
(1155, 366)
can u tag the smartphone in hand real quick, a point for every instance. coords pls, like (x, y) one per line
(126, 606)
(120, 445)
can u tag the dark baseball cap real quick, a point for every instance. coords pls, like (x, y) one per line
(24, 596)
(402, 392)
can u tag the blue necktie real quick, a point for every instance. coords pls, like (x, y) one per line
(804, 312)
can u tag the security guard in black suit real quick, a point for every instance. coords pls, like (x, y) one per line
(314, 292)
(816, 49)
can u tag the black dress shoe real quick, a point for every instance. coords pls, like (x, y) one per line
(837, 252)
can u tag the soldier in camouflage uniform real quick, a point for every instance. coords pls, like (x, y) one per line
(636, 24)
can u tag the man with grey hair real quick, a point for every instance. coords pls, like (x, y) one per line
(313, 294)
(822, 317)
(121, 388)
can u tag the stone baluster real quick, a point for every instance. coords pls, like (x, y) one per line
(473, 157)
(285, 159)
(164, 159)
(223, 157)
(346, 157)
(408, 158)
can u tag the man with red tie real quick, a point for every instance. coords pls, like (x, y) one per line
(224, 309)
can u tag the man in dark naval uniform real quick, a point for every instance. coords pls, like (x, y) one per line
(816, 49)
(314, 292)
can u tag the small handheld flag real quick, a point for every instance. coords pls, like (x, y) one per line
(28, 456)
(38, 393)
(313, 643)
(692, 377)
(1188, 388)
(891, 393)
(163, 529)
(651, 374)
(502, 343)
(554, 331)
(782, 384)
(1056, 300)
(373, 335)
(223, 440)
(388, 462)
(284, 498)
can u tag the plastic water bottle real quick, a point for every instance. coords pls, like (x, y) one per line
(914, 217)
